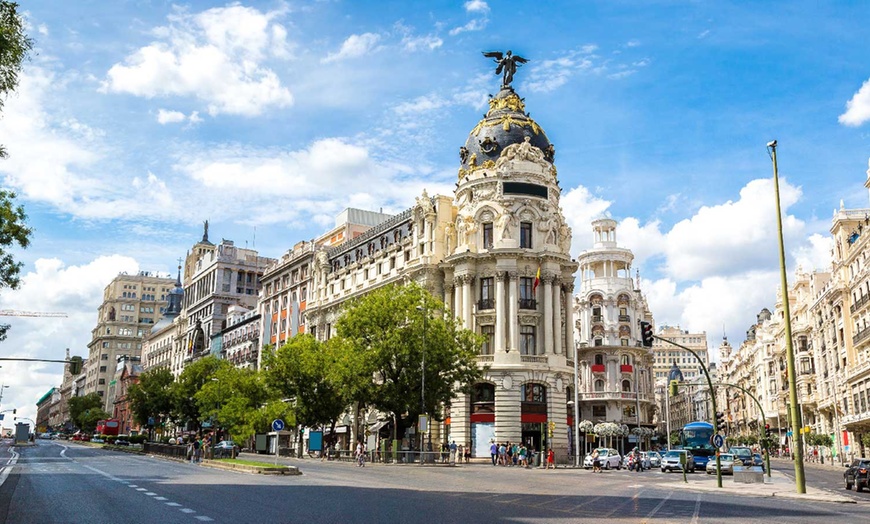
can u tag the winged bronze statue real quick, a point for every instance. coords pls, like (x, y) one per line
(507, 65)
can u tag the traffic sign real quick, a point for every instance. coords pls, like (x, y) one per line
(718, 440)
(277, 424)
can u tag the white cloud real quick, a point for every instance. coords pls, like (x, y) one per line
(415, 43)
(354, 46)
(52, 287)
(816, 253)
(170, 117)
(217, 56)
(580, 208)
(548, 75)
(42, 29)
(476, 6)
(858, 108)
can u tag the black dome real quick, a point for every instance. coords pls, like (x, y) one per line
(505, 123)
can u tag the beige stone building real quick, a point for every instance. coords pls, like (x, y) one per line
(132, 304)
(163, 340)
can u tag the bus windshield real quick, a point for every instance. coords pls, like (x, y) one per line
(696, 438)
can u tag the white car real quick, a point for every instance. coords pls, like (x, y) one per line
(609, 458)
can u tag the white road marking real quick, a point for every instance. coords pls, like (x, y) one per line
(9, 465)
(697, 509)
(173, 504)
(132, 486)
(657, 508)
(203, 518)
(141, 489)
(150, 493)
(186, 510)
(160, 498)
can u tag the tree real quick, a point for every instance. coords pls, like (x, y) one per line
(310, 373)
(240, 402)
(185, 408)
(151, 398)
(15, 47)
(86, 411)
(388, 333)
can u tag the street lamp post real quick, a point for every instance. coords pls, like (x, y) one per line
(800, 481)
(576, 407)
(425, 311)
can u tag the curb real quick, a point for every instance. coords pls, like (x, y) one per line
(816, 497)
(259, 470)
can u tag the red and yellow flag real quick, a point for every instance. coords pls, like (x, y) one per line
(537, 280)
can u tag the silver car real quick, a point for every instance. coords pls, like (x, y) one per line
(727, 462)
(671, 461)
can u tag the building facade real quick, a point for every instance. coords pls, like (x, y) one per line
(132, 304)
(615, 371)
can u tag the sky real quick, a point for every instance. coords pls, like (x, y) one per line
(135, 121)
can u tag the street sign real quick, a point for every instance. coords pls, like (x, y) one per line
(423, 423)
(718, 440)
(277, 425)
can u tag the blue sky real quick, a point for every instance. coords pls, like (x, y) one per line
(136, 121)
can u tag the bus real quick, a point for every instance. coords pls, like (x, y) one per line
(108, 427)
(695, 437)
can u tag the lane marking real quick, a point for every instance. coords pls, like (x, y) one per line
(657, 508)
(141, 489)
(633, 500)
(10, 464)
(173, 504)
(186, 510)
(697, 509)
(150, 493)
(203, 518)
(160, 498)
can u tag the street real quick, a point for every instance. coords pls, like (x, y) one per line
(58, 482)
(823, 476)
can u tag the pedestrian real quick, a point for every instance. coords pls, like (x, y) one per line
(190, 451)
(453, 452)
(197, 445)
(493, 451)
(467, 453)
(551, 459)
(502, 453)
(524, 462)
(360, 454)
(509, 450)
(596, 462)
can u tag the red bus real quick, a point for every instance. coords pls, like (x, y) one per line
(109, 426)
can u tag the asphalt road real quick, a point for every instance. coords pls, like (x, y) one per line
(59, 482)
(826, 477)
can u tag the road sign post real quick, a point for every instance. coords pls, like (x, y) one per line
(277, 425)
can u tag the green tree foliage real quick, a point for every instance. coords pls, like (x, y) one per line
(239, 402)
(186, 409)
(86, 411)
(384, 336)
(152, 397)
(14, 49)
(311, 374)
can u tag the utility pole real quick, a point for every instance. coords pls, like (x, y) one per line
(797, 439)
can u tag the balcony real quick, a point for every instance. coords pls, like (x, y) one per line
(536, 359)
(860, 302)
(528, 303)
(597, 318)
(484, 358)
(485, 303)
(624, 318)
(626, 368)
(861, 336)
(597, 368)
(614, 395)
(857, 417)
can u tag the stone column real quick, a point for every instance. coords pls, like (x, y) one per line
(499, 342)
(468, 293)
(557, 316)
(448, 297)
(513, 307)
(548, 314)
(508, 425)
(569, 320)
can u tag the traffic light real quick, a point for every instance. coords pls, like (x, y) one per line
(646, 334)
(720, 420)
(75, 365)
(767, 430)
(674, 388)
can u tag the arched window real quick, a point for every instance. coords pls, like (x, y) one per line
(599, 385)
(626, 360)
(483, 399)
(626, 385)
(599, 359)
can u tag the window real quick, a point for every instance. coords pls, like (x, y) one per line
(486, 294)
(596, 314)
(626, 386)
(527, 294)
(487, 235)
(536, 393)
(526, 235)
(483, 399)
(104, 356)
(599, 385)
(101, 381)
(102, 369)
(488, 332)
(626, 360)
(599, 359)
(599, 411)
(527, 340)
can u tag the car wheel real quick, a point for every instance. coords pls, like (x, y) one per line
(607, 465)
(848, 486)
(858, 487)
(664, 470)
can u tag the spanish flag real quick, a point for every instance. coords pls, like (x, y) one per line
(537, 280)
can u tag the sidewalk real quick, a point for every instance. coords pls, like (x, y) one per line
(777, 485)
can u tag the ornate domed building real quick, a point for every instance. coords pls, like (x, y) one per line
(508, 275)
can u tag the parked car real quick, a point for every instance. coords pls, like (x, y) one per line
(609, 458)
(856, 474)
(655, 459)
(225, 448)
(743, 454)
(671, 461)
(644, 460)
(726, 460)
(758, 460)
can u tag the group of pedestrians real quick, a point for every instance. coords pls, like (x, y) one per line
(511, 454)
(196, 447)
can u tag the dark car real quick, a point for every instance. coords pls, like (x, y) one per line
(856, 474)
(742, 455)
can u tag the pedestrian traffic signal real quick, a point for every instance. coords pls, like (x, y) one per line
(674, 388)
(720, 420)
(646, 334)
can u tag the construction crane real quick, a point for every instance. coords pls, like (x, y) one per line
(17, 313)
